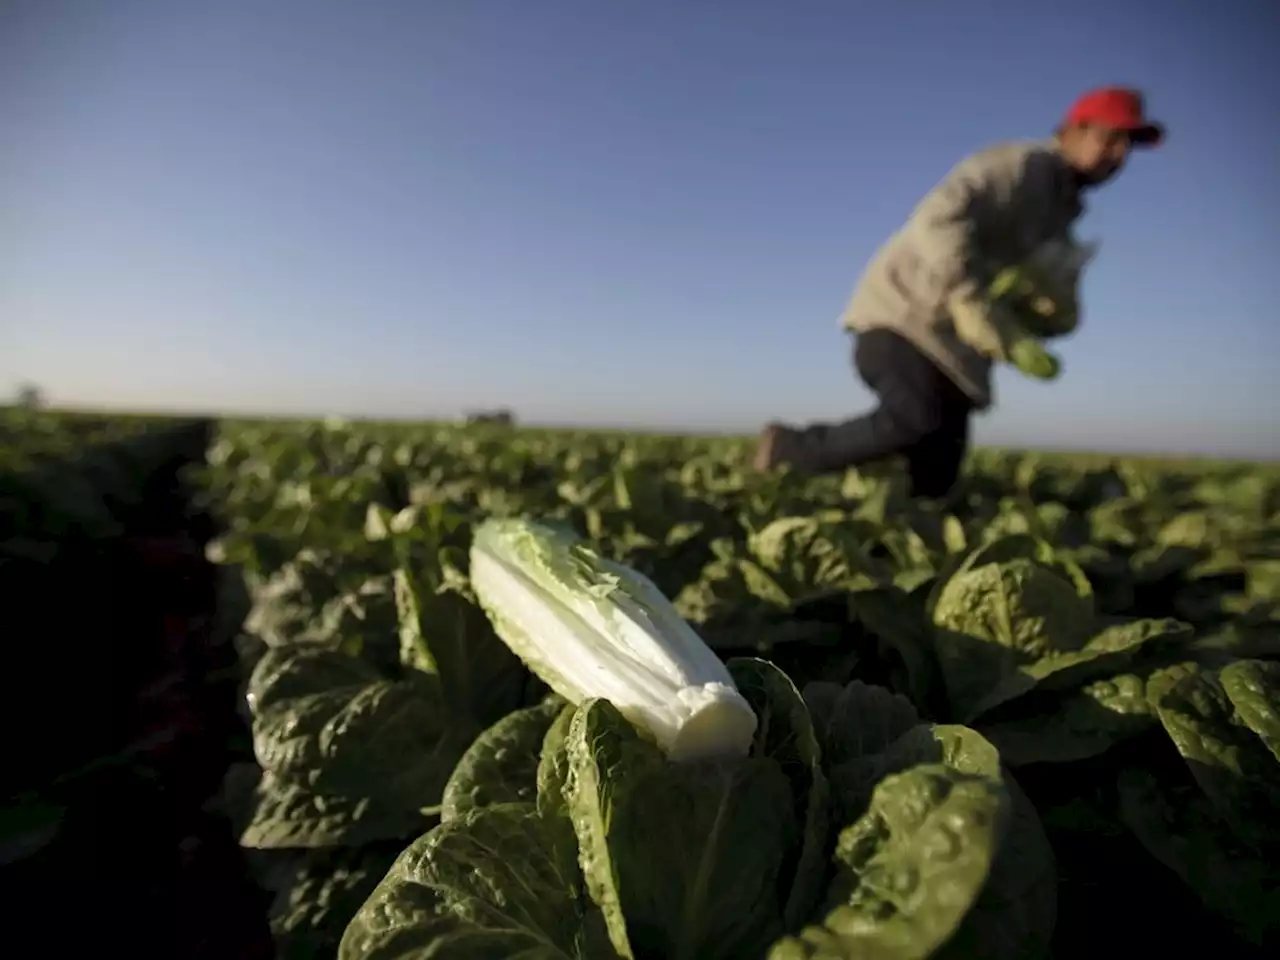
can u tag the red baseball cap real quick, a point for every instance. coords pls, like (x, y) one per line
(1120, 108)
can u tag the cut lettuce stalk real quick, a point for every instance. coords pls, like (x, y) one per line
(593, 628)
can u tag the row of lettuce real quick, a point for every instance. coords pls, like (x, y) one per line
(120, 695)
(980, 726)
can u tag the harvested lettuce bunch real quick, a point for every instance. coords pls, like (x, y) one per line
(1043, 290)
(1040, 296)
(590, 627)
(1024, 305)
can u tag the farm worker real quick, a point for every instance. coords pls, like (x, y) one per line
(922, 322)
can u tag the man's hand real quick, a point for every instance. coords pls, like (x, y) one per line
(1034, 360)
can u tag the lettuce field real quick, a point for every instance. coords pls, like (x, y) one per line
(1039, 720)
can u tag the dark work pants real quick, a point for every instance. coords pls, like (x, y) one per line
(922, 416)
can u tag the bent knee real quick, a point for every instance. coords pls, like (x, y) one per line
(913, 426)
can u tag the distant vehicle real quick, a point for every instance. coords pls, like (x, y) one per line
(502, 418)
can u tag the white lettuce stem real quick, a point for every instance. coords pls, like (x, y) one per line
(591, 628)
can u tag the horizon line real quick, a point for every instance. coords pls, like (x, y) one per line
(458, 420)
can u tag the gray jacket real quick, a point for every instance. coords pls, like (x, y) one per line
(991, 210)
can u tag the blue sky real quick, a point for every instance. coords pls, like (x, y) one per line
(620, 213)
